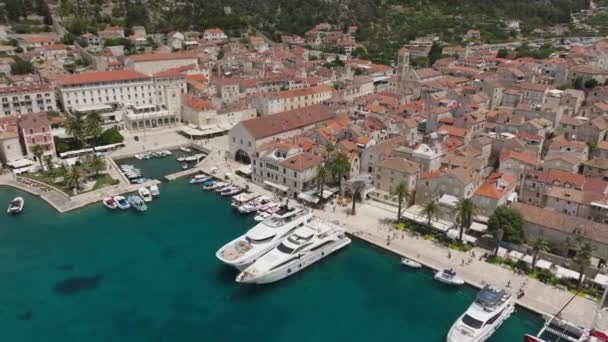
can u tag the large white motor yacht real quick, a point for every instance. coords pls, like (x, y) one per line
(305, 246)
(489, 310)
(266, 235)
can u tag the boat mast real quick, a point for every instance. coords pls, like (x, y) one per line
(599, 308)
(548, 322)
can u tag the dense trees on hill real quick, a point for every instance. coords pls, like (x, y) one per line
(384, 25)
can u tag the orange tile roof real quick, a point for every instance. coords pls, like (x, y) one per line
(302, 161)
(196, 103)
(269, 125)
(102, 76)
(454, 131)
(528, 158)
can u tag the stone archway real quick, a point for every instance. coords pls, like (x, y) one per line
(243, 157)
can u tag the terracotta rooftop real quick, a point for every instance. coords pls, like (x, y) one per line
(563, 223)
(102, 76)
(270, 125)
(400, 164)
(528, 158)
(302, 161)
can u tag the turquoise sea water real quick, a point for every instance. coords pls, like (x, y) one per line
(96, 275)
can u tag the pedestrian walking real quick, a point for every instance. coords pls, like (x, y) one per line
(509, 284)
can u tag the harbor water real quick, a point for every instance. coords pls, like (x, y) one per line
(101, 275)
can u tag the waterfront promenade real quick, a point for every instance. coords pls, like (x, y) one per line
(373, 223)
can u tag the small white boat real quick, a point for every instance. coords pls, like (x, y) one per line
(154, 190)
(137, 203)
(448, 277)
(166, 152)
(232, 191)
(199, 179)
(121, 202)
(110, 203)
(227, 187)
(410, 263)
(16, 205)
(184, 166)
(185, 149)
(139, 156)
(145, 194)
(215, 186)
(261, 216)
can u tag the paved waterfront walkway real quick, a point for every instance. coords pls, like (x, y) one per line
(373, 223)
(63, 203)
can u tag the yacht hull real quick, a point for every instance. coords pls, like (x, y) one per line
(292, 268)
(486, 332)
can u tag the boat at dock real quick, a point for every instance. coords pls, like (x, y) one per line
(410, 263)
(261, 216)
(234, 190)
(448, 277)
(154, 190)
(305, 246)
(254, 205)
(491, 308)
(266, 235)
(556, 329)
(137, 203)
(122, 202)
(199, 179)
(185, 149)
(228, 186)
(215, 186)
(16, 205)
(110, 203)
(145, 194)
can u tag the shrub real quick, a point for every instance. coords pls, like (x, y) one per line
(523, 266)
(111, 136)
(545, 276)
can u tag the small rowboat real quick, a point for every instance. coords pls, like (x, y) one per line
(410, 263)
(16, 205)
(110, 203)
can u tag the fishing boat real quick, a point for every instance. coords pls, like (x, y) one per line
(235, 190)
(199, 179)
(410, 263)
(448, 277)
(185, 149)
(110, 203)
(154, 190)
(145, 194)
(16, 205)
(137, 203)
(122, 202)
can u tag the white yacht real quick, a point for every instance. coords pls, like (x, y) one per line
(489, 310)
(266, 235)
(305, 246)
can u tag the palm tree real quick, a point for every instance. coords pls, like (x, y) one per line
(356, 187)
(322, 176)
(329, 148)
(340, 167)
(38, 151)
(93, 125)
(464, 211)
(402, 192)
(96, 164)
(73, 177)
(582, 258)
(48, 160)
(538, 246)
(431, 211)
(76, 127)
